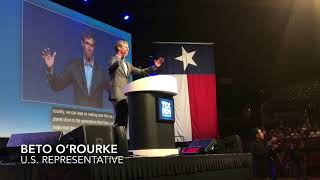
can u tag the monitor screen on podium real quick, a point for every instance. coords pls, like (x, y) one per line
(166, 110)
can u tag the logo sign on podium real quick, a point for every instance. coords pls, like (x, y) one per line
(165, 110)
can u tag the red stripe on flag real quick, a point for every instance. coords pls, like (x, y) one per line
(203, 106)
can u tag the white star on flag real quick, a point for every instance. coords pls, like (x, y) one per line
(186, 58)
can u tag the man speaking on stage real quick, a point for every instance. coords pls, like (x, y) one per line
(119, 71)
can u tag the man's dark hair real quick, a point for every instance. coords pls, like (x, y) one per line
(87, 35)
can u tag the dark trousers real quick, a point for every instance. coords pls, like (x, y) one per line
(121, 109)
(299, 169)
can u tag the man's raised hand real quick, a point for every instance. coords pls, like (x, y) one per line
(48, 57)
(158, 62)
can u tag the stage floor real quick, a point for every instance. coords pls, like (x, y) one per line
(218, 166)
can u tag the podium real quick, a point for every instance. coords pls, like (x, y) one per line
(148, 129)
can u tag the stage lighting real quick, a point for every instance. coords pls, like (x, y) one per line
(126, 17)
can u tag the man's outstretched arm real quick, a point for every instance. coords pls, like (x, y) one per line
(157, 63)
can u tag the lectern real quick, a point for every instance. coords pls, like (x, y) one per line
(151, 114)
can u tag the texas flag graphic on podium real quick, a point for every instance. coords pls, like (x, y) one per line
(192, 64)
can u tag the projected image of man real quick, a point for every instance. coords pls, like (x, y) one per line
(86, 77)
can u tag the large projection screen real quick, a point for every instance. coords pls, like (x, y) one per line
(30, 27)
